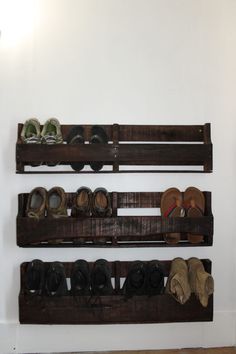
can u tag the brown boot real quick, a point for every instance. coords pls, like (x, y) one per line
(177, 283)
(201, 282)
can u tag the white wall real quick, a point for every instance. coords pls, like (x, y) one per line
(124, 61)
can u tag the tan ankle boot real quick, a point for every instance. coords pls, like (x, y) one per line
(177, 283)
(201, 282)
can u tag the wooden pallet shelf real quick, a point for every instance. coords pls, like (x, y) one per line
(131, 148)
(114, 231)
(111, 309)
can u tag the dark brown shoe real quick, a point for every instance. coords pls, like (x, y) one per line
(82, 203)
(56, 203)
(36, 203)
(101, 203)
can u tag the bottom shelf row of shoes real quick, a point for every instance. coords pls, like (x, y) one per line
(105, 292)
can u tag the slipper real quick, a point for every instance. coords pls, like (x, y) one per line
(177, 283)
(171, 206)
(201, 282)
(194, 203)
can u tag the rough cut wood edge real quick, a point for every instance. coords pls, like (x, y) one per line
(111, 309)
(116, 154)
(116, 231)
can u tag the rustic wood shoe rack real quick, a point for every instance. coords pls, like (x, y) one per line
(131, 148)
(114, 231)
(114, 308)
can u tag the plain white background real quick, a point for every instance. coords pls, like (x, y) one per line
(127, 62)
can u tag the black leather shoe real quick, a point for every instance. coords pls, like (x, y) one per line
(34, 278)
(98, 136)
(76, 136)
(36, 203)
(155, 278)
(101, 278)
(80, 278)
(135, 282)
(82, 203)
(55, 282)
(101, 203)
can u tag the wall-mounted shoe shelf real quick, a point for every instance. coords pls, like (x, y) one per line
(114, 308)
(131, 148)
(114, 231)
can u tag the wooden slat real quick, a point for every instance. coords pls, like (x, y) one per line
(129, 146)
(114, 308)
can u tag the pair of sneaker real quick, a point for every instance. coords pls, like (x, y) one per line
(41, 203)
(51, 133)
(87, 203)
(189, 277)
(144, 279)
(49, 280)
(97, 136)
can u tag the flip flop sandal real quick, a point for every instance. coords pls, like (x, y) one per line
(194, 202)
(171, 206)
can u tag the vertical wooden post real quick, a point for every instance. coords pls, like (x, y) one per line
(115, 138)
(207, 140)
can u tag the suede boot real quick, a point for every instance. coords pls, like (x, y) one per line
(201, 282)
(177, 283)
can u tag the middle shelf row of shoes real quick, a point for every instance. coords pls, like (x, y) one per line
(114, 229)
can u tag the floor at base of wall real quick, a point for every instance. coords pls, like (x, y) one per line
(225, 350)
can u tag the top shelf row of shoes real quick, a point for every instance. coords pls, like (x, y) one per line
(130, 148)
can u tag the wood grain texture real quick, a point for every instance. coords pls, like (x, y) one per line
(110, 309)
(129, 145)
(115, 231)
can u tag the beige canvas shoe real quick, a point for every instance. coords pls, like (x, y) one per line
(177, 283)
(201, 282)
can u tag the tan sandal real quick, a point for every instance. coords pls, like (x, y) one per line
(171, 206)
(194, 203)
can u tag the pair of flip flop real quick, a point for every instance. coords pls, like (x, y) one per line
(191, 203)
